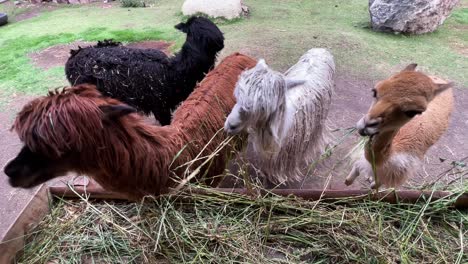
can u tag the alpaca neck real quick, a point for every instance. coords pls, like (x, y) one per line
(136, 161)
(278, 123)
(191, 57)
(271, 133)
(379, 147)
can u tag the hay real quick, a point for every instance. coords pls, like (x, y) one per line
(227, 228)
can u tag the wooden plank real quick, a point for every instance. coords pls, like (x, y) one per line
(14, 239)
(93, 190)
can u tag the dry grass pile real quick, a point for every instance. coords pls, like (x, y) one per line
(227, 228)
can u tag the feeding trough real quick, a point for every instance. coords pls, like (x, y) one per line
(95, 191)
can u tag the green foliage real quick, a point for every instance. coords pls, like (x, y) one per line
(279, 31)
(461, 16)
(17, 73)
(132, 3)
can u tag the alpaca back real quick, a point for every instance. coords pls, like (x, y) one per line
(304, 134)
(200, 118)
(424, 130)
(147, 79)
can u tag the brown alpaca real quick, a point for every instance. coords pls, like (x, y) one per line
(79, 130)
(409, 114)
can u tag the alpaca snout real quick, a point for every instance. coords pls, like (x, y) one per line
(368, 126)
(9, 169)
(232, 128)
(18, 176)
(234, 124)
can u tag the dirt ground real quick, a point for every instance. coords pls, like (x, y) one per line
(57, 55)
(13, 200)
(27, 10)
(351, 99)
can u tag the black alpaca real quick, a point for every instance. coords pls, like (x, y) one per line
(146, 78)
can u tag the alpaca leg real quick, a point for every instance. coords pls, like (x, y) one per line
(352, 175)
(375, 185)
(360, 167)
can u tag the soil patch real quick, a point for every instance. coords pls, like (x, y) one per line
(13, 199)
(26, 10)
(58, 55)
(351, 99)
(150, 44)
(34, 10)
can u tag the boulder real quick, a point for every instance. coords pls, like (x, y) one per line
(77, 2)
(228, 9)
(409, 16)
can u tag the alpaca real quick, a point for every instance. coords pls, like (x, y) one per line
(409, 114)
(284, 114)
(146, 78)
(80, 130)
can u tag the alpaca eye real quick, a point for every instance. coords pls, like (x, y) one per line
(242, 111)
(374, 93)
(412, 113)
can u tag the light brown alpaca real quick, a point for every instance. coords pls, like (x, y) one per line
(409, 114)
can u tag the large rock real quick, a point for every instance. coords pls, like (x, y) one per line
(78, 2)
(228, 9)
(409, 16)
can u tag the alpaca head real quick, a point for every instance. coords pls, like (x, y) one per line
(202, 34)
(58, 130)
(398, 99)
(261, 96)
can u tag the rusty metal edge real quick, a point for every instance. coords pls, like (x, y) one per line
(390, 196)
(34, 211)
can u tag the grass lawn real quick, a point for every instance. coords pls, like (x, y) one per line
(279, 31)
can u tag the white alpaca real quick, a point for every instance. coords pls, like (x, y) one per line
(409, 114)
(285, 114)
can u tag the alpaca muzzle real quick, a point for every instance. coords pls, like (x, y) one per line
(232, 128)
(234, 124)
(367, 126)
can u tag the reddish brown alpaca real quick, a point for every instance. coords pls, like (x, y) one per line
(79, 130)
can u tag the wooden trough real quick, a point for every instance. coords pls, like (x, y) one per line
(94, 191)
(39, 205)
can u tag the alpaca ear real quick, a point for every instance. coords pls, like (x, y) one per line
(411, 67)
(116, 111)
(291, 83)
(262, 64)
(442, 87)
(182, 27)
